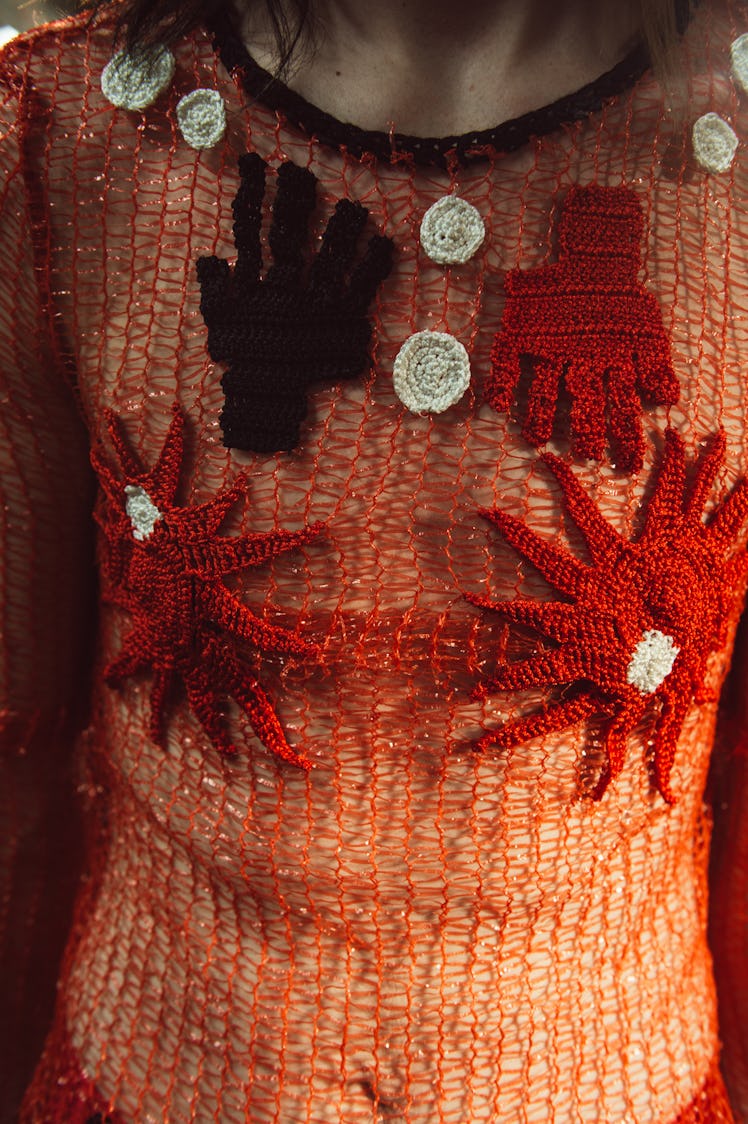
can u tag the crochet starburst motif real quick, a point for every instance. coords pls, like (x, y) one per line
(637, 622)
(164, 564)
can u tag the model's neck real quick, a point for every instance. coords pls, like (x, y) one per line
(513, 28)
(434, 67)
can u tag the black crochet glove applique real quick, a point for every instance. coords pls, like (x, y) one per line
(279, 334)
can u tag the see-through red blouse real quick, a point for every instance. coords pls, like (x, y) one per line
(376, 752)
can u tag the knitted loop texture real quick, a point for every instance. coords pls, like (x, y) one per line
(410, 930)
(588, 326)
(279, 334)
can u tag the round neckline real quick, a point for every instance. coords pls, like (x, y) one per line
(442, 152)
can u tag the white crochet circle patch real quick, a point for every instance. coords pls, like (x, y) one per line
(431, 372)
(652, 661)
(202, 118)
(452, 230)
(739, 59)
(714, 142)
(135, 81)
(143, 513)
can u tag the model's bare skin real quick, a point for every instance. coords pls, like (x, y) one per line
(441, 68)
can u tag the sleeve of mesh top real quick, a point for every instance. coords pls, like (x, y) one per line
(728, 906)
(45, 588)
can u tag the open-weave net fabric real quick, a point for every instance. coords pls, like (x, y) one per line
(410, 930)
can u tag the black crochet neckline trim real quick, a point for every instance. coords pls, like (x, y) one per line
(436, 151)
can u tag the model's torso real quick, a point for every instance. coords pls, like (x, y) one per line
(409, 930)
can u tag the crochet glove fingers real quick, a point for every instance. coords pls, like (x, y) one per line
(541, 403)
(626, 436)
(290, 221)
(218, 284)
(371, 271)
(589, 318)
(214, 276)
(585, 386)
(294, 203)
(304, 322)
(656, 379)
(337, 252)
(503, 376)
(338, 248)
(247, 209)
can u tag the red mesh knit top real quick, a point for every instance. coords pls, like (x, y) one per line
(376, 751)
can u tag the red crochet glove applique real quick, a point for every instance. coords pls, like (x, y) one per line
(639, 620)
(588, 323)
(163, 564)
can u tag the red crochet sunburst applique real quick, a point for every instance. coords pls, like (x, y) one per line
(641, 617)
(586, 323)
(164, 564)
